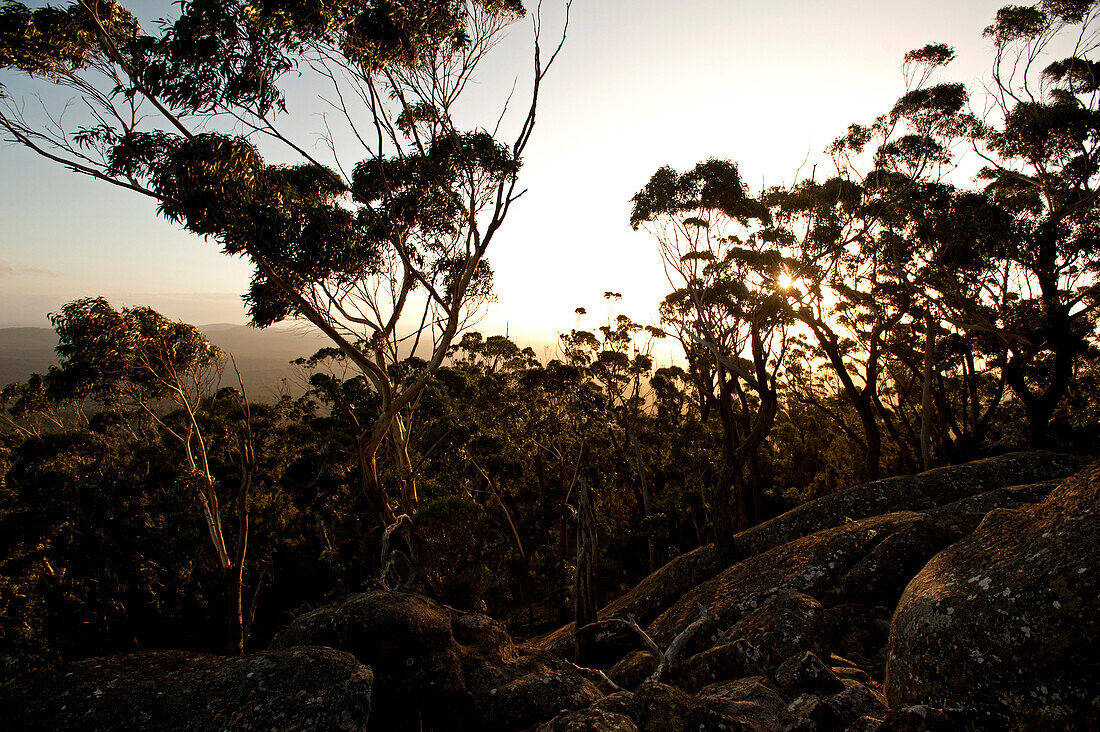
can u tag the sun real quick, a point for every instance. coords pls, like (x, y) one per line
(785, 281)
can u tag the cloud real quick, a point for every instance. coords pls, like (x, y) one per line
(14, 270)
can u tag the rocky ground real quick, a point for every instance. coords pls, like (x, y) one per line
(961, 598)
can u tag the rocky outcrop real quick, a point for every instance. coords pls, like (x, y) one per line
(1006, 619)
(633, 669)
(774, 622)
(923, 492)
(291, 689)
(786, 624)
(810, 565)
(743, 704)
(644, 602)
(994, 587)
(440, 668)
(734, 660)
(589, 720)
(406, 639)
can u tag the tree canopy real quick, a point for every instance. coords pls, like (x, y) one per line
(383, 252)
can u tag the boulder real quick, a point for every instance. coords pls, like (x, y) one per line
(620, 702)
(854, 702)
(633, 669)
(527, 699)
(809, 565)
(965, 514)
(925, 491)
(408, 641)
(880, 576)
(803, 712)
(864, 598)
(304, 688)
(807, 672)
(437, 667)
(514, 686)
(788, 623)
(589, 720)
(745, 704)
(724, 662)
(661, 708)
(923, 718)
(1005, 620)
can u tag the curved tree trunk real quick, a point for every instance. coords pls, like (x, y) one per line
(368, 472)
(400, 434)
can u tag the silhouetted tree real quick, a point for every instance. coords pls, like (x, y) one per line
(1043, 156)
(726, 314)
(350, 248)
(134, 361)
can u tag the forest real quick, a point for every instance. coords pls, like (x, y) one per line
(885, 313)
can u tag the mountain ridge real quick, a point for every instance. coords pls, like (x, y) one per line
(263, 356)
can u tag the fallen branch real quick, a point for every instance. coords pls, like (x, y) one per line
(665, 658)
(680, 641)
(596, 676)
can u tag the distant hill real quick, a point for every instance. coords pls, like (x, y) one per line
(24, 351)
(263, 356)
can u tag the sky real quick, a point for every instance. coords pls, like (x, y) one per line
(639, 84)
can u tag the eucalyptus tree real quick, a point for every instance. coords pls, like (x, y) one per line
(848, 242)
(134, 361)
(725, 311)
(41, 403)
(1042, 155)
(479, 441)
(1008, 272)
(622, 364)
(385, 255)
(619, 361)
(838, 284)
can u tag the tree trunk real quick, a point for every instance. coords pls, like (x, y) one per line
(873, 436)
(1040, 408)
(368, 471)
(399, 432)
(564, 520)
(926, 393)
(723, 525)
(585, 590)
(643, 486)
(861, 399)
(235, 609)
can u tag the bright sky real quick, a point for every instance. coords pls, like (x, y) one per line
(640, 84)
